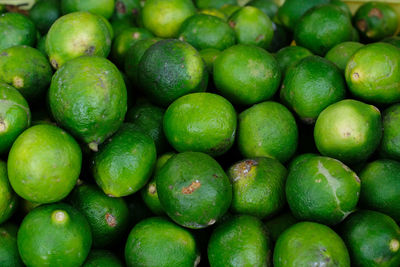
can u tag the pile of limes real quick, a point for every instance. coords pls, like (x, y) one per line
(208, 132)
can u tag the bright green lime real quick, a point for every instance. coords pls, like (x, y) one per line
(341, 53)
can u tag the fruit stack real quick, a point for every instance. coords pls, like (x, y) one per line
(206, 132)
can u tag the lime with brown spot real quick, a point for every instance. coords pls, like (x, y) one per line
(291, 11)
(310, 86)
(17, 29)
(8, 198)
(193, 189)
(323, 27)
(126, 9)
(206, 31)
(44, 164)
(164, 17)
(15, 116)
(26, 69)
(149, 192)
(340, 54)
(160, 243)
(88, 97)
(348, 130)
(125, 40)
(54, 235)
(390, 144)
(268, 130)
(108, 216)
(376, 20)
(201, 122)
(246, 74)
(125, 162)
(240, 241)
(373, 73)
(103, 8)
(102, 258)
(252, 27)
(373, 239)
(258, 186)
(290, 56)
(77, 34)
(170, 69)
(380, 183)
(322, 189)
(310, 244)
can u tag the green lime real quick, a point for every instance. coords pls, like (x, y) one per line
(102, 258)
(277, 225)
(341, 53)
(252, 27)
(107, 216)
(164, 17)
(373, 239)
(75, 35)
(88, 97)
(17, 29)
(214, 12)
(26, 69)
(393, 40)
(149, 192)
(322, 189)
(170, 69)
(343, 6)
(240, 241)
(269, 130)
(15, 116)
(125, 162)
(201, 4)
(193, 189)
(8, 198)
(390, 144)
(373, 73)
(103, 8)
(206, 31)
(290, 56)
(54, 235)
(133, 56)
(202, 122)
(126, 9)
(348, 130)
(43, 13)
(310, 244)
(209, 56)
(148, 119)
(380, 184)
(124, 41)
(269, 7)
(9, 255)
(44, 164)
(41, 45)
(323, 27)
(160, 243)
(291, 11)
(299, 159)
(258, 186)
(282, 38)
(246, 74)
(376, 20)
(310, 86)
(229, 9)
(119, 25)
